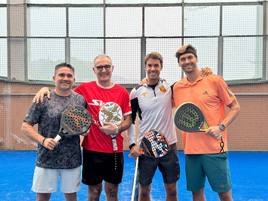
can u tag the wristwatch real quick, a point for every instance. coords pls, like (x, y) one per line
(222, 127)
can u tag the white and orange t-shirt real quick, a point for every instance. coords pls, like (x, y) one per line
(95, 96)
(210, 94)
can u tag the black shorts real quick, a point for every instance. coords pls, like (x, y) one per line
(168, 165)
(98, 166)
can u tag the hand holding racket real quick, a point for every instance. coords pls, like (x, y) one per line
(75, 120)
(154, 144)
(110, 113)
(189, 118)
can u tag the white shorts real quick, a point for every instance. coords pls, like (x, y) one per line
(46, 180)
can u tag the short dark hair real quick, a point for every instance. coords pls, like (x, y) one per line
(61, 65)
(186, 49)
(154, 55)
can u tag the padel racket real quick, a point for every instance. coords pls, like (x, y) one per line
(111, 112)
(154, 144)
(189, 118)
(75, 120)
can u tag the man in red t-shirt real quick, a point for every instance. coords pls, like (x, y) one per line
(100, 160)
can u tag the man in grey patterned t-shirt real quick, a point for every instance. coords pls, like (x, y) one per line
(61, 158)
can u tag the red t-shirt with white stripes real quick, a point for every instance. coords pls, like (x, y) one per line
(96, 95)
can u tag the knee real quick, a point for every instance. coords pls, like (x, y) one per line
(144, 191)
(171, 190)
(42, 196)
(198, 195)
(95, 191)
(225, 196)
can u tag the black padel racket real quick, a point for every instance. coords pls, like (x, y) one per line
(75, 120)
(189, 118)
(154, 144)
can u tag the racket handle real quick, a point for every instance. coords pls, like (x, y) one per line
(115, 148)
(57, 138)
(218, 136)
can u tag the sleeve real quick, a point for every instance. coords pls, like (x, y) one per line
(134, 108)
(225, 94)
(126, 107)
(34, 114)
(82, 101)
(78, 89)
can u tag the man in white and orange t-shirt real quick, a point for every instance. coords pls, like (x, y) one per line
(205, 154)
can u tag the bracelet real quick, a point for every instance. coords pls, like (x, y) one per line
(43, 141)
(132, 145)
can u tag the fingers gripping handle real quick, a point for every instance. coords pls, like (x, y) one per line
(57, 138)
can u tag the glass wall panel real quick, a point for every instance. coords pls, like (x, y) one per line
(65, 1)
(213, 1)
(87, 22)
(3, 21)
(83, 52)
(3, 1)
(242, 58)
(201, 20)
(141, 1)
(163, 21)
(123, 22)
(3, 57)
(43, 55)
(167, 48)
(207, 52)
(126, 57)
(48, 21)
(242, 20)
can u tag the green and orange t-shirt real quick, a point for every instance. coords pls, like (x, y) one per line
(210, 94)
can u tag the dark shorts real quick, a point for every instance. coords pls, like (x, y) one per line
(168, 165)
(213, 166)
(99, 166)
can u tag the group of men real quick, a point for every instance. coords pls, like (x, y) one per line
(152, 102)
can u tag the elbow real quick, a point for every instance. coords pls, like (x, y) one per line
(236, 108)
(128, 124)
(24, 127)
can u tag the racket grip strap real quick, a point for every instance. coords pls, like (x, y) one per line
(57, 138)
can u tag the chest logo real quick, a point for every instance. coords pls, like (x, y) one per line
(145, 94)
(162, 89)
(205, 93)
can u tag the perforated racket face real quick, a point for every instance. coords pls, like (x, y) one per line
(75, 120)
(110, 112)
(188, 117)
(154, 144)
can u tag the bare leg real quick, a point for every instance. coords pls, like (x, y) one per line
(144, 194)
(94, 192)
(225, 196)
(43, 196)
(171, 192)
(111, 191)
(199, 195)
(70, 196)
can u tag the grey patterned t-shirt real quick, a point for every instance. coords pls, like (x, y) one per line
(67, 154)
